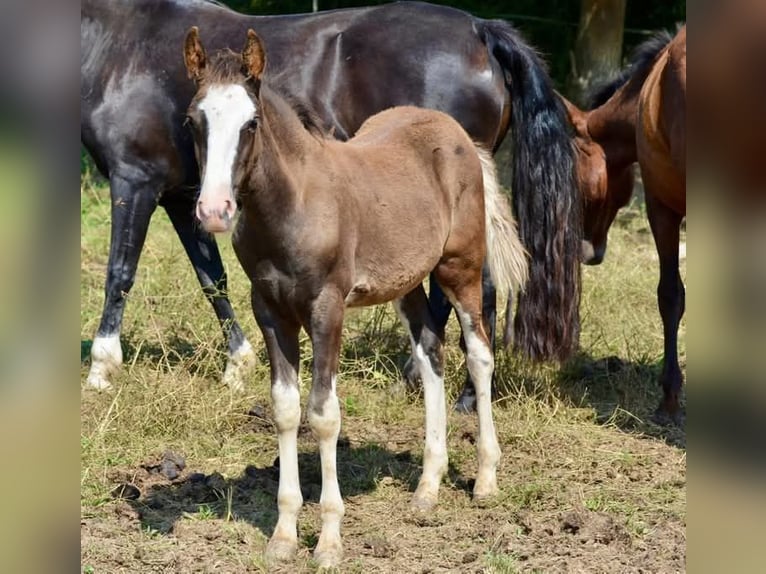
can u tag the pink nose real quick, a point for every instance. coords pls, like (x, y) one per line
(215, 217)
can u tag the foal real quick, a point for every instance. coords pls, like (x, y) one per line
(325, 225)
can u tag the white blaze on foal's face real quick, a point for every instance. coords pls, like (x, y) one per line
(226, 109)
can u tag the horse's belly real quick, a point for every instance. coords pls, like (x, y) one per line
(373, 287)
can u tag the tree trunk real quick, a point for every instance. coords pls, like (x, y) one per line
(598, 47)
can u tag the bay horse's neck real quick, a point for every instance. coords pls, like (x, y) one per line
(613, 125)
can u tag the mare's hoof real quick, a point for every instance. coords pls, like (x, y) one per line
(237, 365)
(98, 381)
(466, 402)
(281, 550)
(665, 418)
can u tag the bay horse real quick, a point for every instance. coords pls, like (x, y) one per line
(346, 65)
(326, 225)
(640, 116)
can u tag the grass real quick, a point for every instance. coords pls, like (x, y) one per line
(574, 439)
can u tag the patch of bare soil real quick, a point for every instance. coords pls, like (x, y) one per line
(599, 514)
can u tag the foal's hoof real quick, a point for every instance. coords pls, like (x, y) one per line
(466, 402)
(423, 502)
(281, 550)
(485, 492)
(328, 556)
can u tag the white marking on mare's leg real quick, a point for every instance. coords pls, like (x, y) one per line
(286, 402)
(480, 364)
(239, 361)
(324, 420)
(435, 458)
(105, 360)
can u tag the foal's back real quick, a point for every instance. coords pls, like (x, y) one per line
(415, 178)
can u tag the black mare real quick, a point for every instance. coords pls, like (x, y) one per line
(346, 65)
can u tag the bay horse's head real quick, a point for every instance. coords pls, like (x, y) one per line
(223, 116)
(604, 192)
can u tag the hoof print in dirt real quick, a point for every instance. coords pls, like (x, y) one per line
(593, 527)
(126, 491)
(380, 547)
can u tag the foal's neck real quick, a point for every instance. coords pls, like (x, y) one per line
(286, 146)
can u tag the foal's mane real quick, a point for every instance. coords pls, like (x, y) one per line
(225, 67)
(641, 62)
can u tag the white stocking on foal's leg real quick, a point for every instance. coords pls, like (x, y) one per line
(324, 418)
(286, 400)
(480, 364)
(426, 351)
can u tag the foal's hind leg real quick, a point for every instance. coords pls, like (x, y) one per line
(466, 297)
(132, 207)
(203, 253)
(466, 402)
(427, 354)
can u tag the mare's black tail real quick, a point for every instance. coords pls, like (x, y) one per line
(545, 199)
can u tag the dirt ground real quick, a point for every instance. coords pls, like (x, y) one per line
(179, 475)
(616, 508)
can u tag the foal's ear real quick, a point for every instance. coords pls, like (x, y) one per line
(194, 54)
(253, 55)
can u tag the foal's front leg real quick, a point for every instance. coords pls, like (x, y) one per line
(325, 328)
(281, 337)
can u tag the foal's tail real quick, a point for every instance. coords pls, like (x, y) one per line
(546, 201)
(506, 256)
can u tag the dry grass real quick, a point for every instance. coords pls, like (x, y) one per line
(587, 482)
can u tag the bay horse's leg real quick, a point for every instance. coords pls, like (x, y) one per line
(281, 337)
(203, 253)
(426, 338)
(325, 329)
(466, 296)
(671, 299)
(508, 330)
(132, 207)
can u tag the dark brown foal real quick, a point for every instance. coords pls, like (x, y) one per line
(326, 225)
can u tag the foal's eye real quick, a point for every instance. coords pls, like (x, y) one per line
(251, 125)
(188, 122)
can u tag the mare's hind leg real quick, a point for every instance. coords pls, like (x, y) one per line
(203, 253)
(426, 340)
(666, 225)
(466, 296)
(132, 207)
(281, 337)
